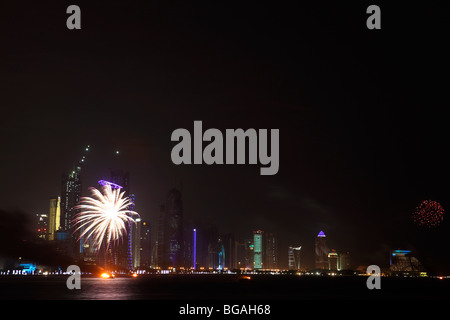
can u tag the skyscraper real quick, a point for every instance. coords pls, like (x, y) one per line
(189, 245)
(131, 237)
(321, 250)
(271, 251)
(207, 246)
(344, 261)
(70, 197)
(244, 254)
(229, 245)
(170, 231)
(333, 259)
(221, 255)
(249, 253)
(258, 249)
(54, 217)
(146, 245)
(136, 243)
(294, 257)
(213, 257)
(42, 225)
(241, 253)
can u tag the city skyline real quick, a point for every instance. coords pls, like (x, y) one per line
(261, 252)
(265, 250)
(120, 178)
(360, 115)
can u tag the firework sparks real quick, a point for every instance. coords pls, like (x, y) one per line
(429, 214)
(104, 216)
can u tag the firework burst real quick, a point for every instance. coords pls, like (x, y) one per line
(104, 216)
(428, 214)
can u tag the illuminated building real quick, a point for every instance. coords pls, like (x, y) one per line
(294, 257)
(291, 259)
(27, 268)
(54, 217)
(70, 197)
(258, 249)
(136, 243)
(333, 260)
(218, 253)
(399, 260)
(170, 232)
(321, 251)
(131, 237)
(402, 261)
(42, 225)
(221, 255)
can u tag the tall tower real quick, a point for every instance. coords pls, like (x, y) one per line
(170, 231)
(294, 257)
(146, 245)
(344, 261)
(229, 244)
(136, 245)
(333, 260)
(42, 225)
(70, 197)
(258, 249)
(54, 217)
(322, 251)
(133, 239)
(271, 251)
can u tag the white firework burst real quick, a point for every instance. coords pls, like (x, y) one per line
(104, 216)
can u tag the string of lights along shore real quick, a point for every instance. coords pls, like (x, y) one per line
(105, 229)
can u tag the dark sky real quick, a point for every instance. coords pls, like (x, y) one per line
(361, 113)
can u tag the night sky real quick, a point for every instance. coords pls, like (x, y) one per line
(362, 114)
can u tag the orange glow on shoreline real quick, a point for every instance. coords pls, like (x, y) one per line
(107, 275)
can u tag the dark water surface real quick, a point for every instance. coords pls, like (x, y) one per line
(220, 287)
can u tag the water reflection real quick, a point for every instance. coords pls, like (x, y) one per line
(109, 289)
